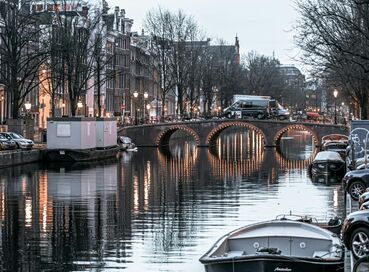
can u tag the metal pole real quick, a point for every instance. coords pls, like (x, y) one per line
(2, 110)
(365, 152)
(335, 111)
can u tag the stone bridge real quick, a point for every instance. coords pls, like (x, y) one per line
(206, 132)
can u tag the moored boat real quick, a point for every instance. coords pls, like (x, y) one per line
(335, 142)
(328, 163)
(126, 144)
(276, 245)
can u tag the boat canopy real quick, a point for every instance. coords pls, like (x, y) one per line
(328, 156)
(125, 140)
(335, 138)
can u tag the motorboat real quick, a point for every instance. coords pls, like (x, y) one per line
(327, 163)
(325, 179)
(126, 144)
(333, 225)
(335, 138)
(276, 245)
(335, 142)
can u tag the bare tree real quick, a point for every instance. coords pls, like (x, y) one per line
(157, 22)
(79, 49)
(173, 34)
(334, 35)
(19, 52)
(262, 76)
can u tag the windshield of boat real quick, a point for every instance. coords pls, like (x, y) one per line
(335, 146)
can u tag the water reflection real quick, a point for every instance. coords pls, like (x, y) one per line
(152, 210)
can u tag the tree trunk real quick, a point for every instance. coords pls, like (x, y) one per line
(15, 105)
(364, 111)
(98, 92)
(163, 108)
(180, 99)
(52, 104)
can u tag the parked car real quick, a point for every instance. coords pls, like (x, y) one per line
(364, 197)
(362, 166)
(356, 182)
(355, 233)
(364, 206)
(21, 142)
(6, 143)
(361, 161)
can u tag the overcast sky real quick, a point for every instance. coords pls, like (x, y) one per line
(263, 26)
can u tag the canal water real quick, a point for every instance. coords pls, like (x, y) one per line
(154, 210)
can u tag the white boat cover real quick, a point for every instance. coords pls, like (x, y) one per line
(125, 140)
(328, 156)
(335, 138)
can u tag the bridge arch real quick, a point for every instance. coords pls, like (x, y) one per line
(215, 132)
(164, 137)
(300, 127)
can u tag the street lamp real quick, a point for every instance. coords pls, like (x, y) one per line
(135, 95)
(27, 105)
(146, 95)
(2, 109)
(29, 133)
(79, 106)
(335, 94)
(63, 108)
(148, 107)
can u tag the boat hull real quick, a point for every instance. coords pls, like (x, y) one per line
(82, 155)
(268, 264)
(336, 168)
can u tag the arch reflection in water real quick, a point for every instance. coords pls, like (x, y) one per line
(297, 145)
(238, 153)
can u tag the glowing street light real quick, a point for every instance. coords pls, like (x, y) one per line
(28, 106)
(335, 94)
(135, 95)
(79, 106)
(2, 109)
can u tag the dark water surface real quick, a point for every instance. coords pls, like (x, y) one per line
(153, 210)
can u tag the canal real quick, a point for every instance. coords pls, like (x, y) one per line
(154, 210)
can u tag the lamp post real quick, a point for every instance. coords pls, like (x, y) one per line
(146, 95)
(148, 107)
(63, 108)
(79, 106)
(28, 106)
(135, 95)
(335, 94)
(2, 109)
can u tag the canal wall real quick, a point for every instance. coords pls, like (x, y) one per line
(17, 157)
